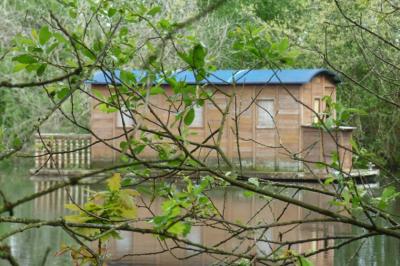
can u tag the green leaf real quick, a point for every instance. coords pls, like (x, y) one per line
(106, 108)
(126, 200)
(34, 34)
(72, 207)
(388, 192)
(329, 180)
(129, 213)
(248, 194)
(354, 145)
(189, 117)
(17, 143)
(114, 183)
(41, 69)
(131, 192)
(72, 13)
(164, 24)
(77, 219)
(138, 149)
(127, 182)
(60, 38)
(123, 31)
(52, 47)
(98, 95)
(89, 54)
(44, 35)
(25, 59)
(302, 261)
(127, 77)
(62, 93)
(152, 12)
(283, 45)
(19, 67)
(199, 54)
(156, 90)
(180, 228)
(111, 12)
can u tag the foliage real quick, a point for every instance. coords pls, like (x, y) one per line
(113, 206)
(182, 206)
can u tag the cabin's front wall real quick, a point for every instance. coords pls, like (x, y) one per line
(268, 149)
(259, 147)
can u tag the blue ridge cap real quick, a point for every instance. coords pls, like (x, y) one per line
(230, 76)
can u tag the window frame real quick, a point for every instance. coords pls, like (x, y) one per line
(273, 122)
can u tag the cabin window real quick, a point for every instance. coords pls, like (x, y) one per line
(125, 117)
(265, 114)
(317, 109)
(198, 120)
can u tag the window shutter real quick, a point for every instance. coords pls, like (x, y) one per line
(198, 116)
(124, 116)
(265, 113)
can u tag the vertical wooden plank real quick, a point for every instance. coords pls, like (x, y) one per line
(71, 153)
(63, 152)
(36, 201)
(37, 149)
(52, 144)
(82, 154)
(47, 199)
(66, 149)
(58, 141)
(88, 155)
(66, 198)
(77, 146)
(83, 195)
(75, 195)
(48, 151)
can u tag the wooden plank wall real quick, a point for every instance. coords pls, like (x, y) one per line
(259, 147)
(319, 146)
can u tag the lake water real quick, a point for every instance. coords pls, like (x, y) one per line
(30, 247)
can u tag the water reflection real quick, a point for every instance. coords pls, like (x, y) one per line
(30, 247)
(53, 204)
(234, 206)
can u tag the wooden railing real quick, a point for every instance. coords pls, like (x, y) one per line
(62, 151)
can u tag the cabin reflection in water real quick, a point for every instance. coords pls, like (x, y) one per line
(235, 207)
(52, 205)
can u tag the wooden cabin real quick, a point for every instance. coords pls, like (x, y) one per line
(275, 125)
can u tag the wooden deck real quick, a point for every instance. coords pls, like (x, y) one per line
(362, 175)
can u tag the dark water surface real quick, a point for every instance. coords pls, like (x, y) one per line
(31, 246)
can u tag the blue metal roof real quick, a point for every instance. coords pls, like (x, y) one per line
(229, 76)
(101, 77)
